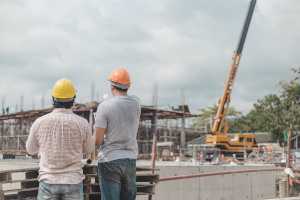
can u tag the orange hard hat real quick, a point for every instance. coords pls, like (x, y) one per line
(120, 75)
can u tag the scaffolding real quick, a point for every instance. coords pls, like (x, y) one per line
(168, 124)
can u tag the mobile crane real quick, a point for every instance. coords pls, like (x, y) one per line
(217, 138)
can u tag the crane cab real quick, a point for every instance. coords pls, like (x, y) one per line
(237, 143)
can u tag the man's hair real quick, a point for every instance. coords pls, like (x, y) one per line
(120, 89)
(65, 105)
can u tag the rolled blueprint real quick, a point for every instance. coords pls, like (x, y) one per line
(86, 161)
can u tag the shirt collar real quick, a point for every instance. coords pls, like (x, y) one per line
(62, 110)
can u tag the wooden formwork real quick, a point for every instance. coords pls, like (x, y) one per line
(23, 183)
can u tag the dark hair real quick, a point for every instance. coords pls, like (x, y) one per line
(120, 89)
(65, 105)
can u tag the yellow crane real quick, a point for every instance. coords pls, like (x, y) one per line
(218, 138)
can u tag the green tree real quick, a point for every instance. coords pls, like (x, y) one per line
(275, 114)
(240, 124)
(268, 115)
(210, 111)
(199, 123)
(291, 100)
(291, 89)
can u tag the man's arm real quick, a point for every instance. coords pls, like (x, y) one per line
(88, 146)
(98, 136)
(101, 123)
(32, 144)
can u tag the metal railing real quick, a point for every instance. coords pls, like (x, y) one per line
(217, 173)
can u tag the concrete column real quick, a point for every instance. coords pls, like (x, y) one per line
(154, 123)
(91, 121)
(18, 143)
(182, 136)
(20, 127)
(147, 147)
(1, 193)
(282, 188)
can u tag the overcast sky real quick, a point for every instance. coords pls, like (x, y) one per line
(181, 44)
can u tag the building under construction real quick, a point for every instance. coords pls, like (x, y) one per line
(168, 123)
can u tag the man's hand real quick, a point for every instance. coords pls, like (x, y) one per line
(98, 135)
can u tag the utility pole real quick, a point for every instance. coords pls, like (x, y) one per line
(288, 162)
(3, 101)
(22, 102)
(211, 121)
(154, 96)
(245, 151)
(92, 91)
(33, 103)
(43, 101)
(17, 107)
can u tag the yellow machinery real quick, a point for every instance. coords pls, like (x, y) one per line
(219, 139)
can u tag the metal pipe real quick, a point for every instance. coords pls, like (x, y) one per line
(153, 152)
(153, 157)
(217, 173)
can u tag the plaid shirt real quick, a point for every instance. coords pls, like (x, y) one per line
(60, 138)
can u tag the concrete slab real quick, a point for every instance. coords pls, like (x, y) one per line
(246, 186)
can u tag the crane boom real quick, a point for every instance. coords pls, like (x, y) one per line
(225, 99)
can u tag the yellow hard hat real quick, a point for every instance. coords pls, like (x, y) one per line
(63, 89)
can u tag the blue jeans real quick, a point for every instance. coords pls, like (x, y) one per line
(117, 179)
(60, 191)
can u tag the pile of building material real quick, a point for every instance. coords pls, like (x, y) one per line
(23, 183)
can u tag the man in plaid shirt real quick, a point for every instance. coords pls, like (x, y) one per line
(60, 138)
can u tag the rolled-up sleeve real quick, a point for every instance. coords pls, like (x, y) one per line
(101, 118)
(88, 143)
(32, 144)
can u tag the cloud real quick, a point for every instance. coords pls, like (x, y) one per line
(180, 44)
